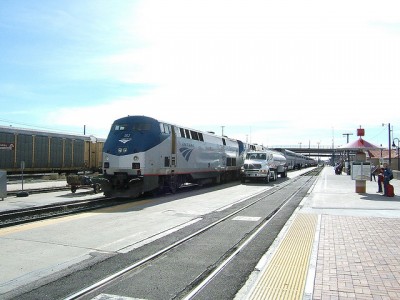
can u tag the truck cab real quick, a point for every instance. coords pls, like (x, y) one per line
(263, 165)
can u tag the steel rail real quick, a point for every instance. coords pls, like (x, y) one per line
(242, 245)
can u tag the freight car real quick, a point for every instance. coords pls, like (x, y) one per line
(296, 160)
(42, 152)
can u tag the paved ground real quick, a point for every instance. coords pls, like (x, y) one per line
(356, 250)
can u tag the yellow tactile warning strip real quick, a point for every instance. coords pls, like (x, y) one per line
(285, 276)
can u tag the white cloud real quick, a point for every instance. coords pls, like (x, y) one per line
(308, 64)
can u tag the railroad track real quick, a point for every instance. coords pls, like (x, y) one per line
(40, 191)
(208, 275)
(21, 216)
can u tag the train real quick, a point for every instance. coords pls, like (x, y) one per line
(37, 151)
(142, 154)
(296, 160)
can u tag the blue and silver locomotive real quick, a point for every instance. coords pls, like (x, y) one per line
(142, 154)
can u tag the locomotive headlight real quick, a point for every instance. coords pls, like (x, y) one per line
(125, 150)
(119, 150)
(136, 158)
(107, 158)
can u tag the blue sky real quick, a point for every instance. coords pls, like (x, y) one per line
(272, 72)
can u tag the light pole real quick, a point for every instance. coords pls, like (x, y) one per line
(348, 152)
(394, 145)
(390, 150)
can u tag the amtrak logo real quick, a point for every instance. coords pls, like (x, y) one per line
(186, 152)
(125, 140)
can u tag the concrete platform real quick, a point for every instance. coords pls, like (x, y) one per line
(339, 244)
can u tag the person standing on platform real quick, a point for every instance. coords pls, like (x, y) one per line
(374, 172)
(380, 179)
(387, 176)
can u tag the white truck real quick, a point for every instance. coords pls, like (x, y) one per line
(265, 165)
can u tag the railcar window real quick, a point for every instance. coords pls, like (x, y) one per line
(187, 131)
(167, 128)
(182, 132)
(194, 134)
(201, 137)
(164, 128)
(177, 131)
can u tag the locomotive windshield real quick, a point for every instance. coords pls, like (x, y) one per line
(134, 127)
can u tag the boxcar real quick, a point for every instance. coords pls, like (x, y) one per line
(40, 151)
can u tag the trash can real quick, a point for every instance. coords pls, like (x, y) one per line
(3, 184)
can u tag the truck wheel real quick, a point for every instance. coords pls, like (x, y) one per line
(267, 178)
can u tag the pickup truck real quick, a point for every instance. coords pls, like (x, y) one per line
(263, 165)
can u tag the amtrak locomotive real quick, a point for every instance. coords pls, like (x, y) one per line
(142, 154)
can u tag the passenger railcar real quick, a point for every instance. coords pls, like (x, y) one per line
(42, 152)
(142, 154)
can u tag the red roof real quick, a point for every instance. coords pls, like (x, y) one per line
(359, 144)
(384, 153)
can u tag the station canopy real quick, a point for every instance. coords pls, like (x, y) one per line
(359, 144)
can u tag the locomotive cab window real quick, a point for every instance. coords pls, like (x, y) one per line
(165, 128)
(141, 126)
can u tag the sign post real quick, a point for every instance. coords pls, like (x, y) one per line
(3, 184)
(22, 193)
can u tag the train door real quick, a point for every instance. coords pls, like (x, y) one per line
(173, 147)
(170, 151)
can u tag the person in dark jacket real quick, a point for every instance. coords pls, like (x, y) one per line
(387, 176)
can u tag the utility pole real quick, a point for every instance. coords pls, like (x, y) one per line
(390, 149)
(347, 136)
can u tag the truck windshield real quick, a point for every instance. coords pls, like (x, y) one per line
(260, 156)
